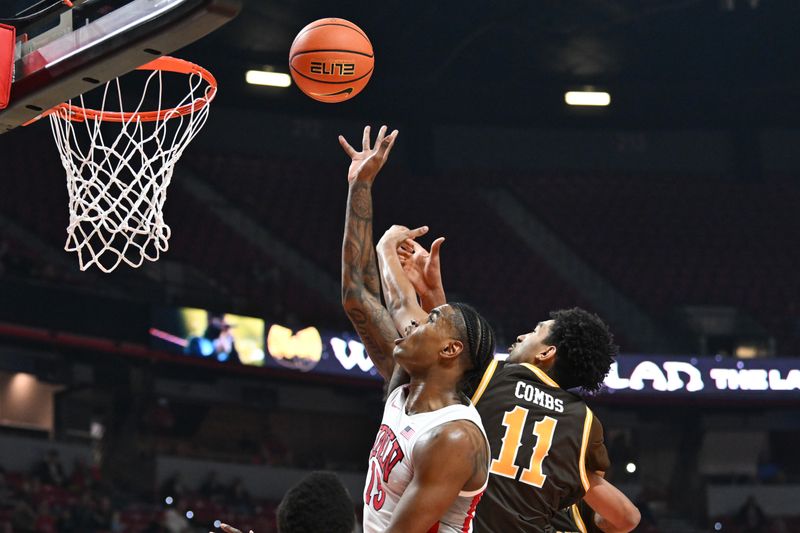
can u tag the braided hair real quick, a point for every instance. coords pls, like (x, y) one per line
(478, 338)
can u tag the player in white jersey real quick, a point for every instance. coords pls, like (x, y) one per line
(430, 460)
(391, 464)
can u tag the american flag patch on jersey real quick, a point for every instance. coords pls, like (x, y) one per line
(408, 432)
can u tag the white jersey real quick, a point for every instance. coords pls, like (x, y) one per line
(391, 465)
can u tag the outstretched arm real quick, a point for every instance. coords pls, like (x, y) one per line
(615, 512)
(360, 283)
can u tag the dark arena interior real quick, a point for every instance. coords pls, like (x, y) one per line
(197, 389)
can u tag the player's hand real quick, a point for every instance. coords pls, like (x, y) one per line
(396, 235)
(229, 529)
(423, 268)
(366, 164)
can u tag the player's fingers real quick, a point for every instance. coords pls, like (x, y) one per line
(381, 135)
(387, 144)
(417, 232)
(413, 247)
(349, 150)
(418, 248)
(436, 246)
(365, 139)
(229, 529)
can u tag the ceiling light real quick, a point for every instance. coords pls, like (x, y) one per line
(588, 98)
(269, 78)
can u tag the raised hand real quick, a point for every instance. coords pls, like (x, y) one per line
(360, 277)
(396, 235)
(366, 164)
(423, 269)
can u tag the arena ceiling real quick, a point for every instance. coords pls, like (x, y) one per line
(699, 62)
(714, 63)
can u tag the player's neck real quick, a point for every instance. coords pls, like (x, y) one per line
(426, 395)
(544, 366)
(548, 368)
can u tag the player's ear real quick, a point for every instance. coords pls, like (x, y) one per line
(452, 349)
(547, 354)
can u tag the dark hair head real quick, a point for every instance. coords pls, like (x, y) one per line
(320, 502)
(585, 349)
(478, 338)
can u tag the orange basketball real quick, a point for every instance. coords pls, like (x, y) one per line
(331, 60)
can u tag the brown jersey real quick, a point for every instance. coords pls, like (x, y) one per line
(543, 440)
(579, 518)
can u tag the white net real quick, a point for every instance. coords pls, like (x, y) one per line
(118, 171)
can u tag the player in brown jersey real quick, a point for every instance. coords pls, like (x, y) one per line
(577, 518)
(547, 446)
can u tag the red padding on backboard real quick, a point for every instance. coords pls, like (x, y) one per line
(8, 36)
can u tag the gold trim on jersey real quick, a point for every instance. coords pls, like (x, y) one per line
(542, 375)
(487, 377)
(587, 427)
(576, 517)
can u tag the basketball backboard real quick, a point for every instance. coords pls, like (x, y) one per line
(68, 61)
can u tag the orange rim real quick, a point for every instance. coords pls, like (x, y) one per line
(163, 63)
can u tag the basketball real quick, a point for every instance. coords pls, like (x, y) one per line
(331, 60)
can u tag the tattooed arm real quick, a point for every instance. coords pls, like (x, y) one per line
(360, 283)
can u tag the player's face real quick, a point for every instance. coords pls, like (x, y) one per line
(529, 345)
(423, 342)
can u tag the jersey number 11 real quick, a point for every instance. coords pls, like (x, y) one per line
(543, 429)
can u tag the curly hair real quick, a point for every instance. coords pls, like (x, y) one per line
(478, 338)
(585, 349)
(319, 502)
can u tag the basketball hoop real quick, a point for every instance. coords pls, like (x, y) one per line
(117, 181)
